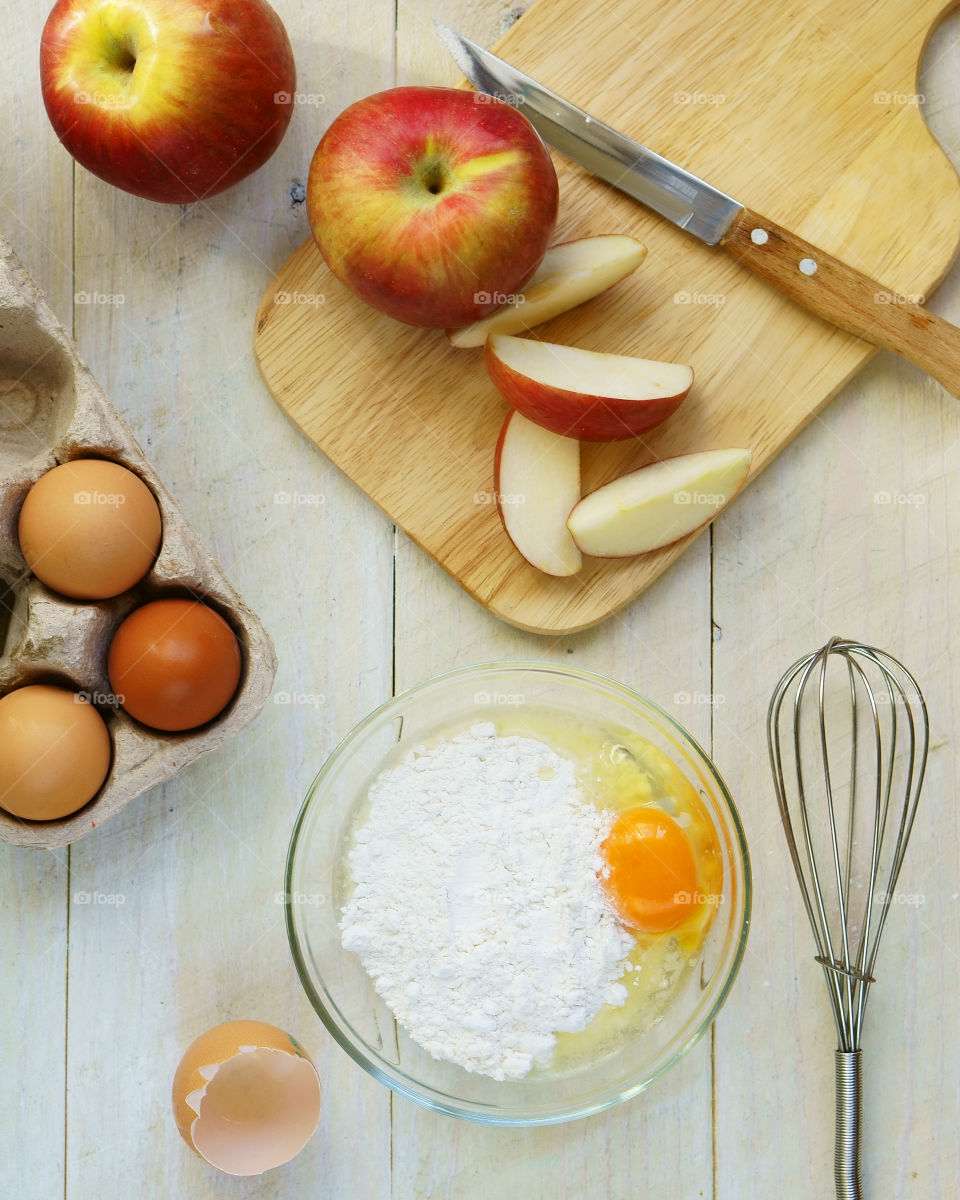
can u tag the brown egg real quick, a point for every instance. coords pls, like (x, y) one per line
(174, 664)
(246, 1097)
(90, 529)
(54, 752)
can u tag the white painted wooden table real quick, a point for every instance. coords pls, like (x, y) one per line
(98, 999)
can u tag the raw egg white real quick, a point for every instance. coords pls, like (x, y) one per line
(174, 664)
(246, 1097)
(54, 752)
(90, 529)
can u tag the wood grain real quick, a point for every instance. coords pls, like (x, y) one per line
(852, 531)
(36, 193)
(832, 538)
(799, 113)
(846, 297)
(196, 935)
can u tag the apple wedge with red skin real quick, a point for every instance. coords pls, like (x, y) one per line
(584, 394)
(658, 504)
(570, 273)
(537, 482)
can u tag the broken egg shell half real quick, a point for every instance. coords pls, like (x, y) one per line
(246, 1097)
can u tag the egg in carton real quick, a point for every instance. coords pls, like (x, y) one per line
(53, 410)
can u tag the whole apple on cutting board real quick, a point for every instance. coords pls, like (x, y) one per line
(434, 205)
(173, 100)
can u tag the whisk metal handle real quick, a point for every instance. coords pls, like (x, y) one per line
(847, 1144)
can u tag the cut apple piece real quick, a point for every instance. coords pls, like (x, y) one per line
(584, 394)
(568, 274)
(658, 504)
(537, 482)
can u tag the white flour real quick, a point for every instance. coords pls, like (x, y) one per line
(478, 912)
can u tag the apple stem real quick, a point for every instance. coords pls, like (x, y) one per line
(434, 178)
(124, 58)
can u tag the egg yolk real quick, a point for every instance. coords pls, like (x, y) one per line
(652, 876)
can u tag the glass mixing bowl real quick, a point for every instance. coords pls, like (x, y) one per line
(335, 980)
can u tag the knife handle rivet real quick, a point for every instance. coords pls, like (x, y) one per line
(759, 237)
(807, 266)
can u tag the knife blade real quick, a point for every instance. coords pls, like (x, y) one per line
(807, 275)
(669, 190)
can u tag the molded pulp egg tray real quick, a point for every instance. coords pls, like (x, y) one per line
(53, 410)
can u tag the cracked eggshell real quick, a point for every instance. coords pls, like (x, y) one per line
(246, 1097)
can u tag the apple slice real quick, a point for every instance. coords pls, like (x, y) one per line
(658, 504)
(537, 482)
(568, 274)
(581, 393)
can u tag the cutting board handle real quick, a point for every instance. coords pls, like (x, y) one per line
(846, 298)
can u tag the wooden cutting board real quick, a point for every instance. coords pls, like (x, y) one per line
(807, 113)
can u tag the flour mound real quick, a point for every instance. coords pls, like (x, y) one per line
(478, 911)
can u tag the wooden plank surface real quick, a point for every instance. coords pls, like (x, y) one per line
(200, 866)
(36, 192)
(798, 113)
(849, 534)
(100, 997)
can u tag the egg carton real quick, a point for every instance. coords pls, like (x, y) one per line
(53, 410)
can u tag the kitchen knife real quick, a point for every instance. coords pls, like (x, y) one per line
(805, 274)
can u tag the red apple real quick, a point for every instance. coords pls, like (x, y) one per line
(586, 395)
(537, 482)
(434, 205)
(570, 273)
(173, 100)
(658, 504)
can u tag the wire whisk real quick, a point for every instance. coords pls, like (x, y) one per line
(848, 735)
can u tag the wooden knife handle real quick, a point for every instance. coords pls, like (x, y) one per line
(845, 298)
